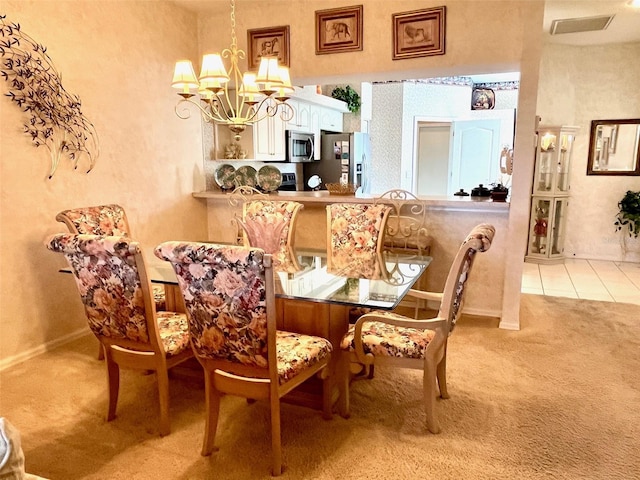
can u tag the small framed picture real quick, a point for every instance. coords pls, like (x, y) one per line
(268, 42)
(419, 33)
(339, 30)
(483, 99)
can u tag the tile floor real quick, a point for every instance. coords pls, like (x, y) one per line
(587, 279)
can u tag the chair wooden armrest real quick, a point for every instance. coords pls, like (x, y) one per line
(435, 296)
(400, 321)
(439, 325)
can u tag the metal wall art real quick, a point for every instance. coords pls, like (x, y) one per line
(419, 33)
(55, 119)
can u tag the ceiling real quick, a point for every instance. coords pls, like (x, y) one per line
(625, 26)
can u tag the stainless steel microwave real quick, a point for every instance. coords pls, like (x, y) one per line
(299, 146)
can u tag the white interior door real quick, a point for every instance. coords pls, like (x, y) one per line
(432, 167)
(475, 154)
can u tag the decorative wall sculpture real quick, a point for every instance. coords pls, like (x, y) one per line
(54, 117)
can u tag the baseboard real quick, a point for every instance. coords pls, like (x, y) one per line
(40, 349)
(479, 312)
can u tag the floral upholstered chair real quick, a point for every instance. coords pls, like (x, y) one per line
(116, 293)
(104, 220)
(270, 225)
(230, 300)
(355, 235)
(389, 338)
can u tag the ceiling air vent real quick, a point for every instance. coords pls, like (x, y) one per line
(585, 24)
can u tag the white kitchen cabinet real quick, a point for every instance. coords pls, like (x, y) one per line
(269, 140)
(312, 113)
(301, 120)
(331, 120)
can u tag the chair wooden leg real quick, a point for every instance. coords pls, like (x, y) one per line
(429, 388)
(276, 445)
(163, 389)
(327, 393)
(344, 381)
(100, 352)
(113, 379)
(212, 406)
(442, 377)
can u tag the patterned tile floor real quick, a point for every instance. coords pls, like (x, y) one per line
(587, 279)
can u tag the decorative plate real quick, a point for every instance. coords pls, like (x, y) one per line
(225, 176)
(246, 176)
(269, 178)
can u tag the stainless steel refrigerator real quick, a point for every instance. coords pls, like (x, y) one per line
(344, 156)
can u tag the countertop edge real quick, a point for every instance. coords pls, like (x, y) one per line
(323, 197)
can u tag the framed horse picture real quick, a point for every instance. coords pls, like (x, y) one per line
(268, 42)
(339, 30)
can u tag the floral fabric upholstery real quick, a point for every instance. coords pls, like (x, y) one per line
(98, 220)
(225, 294)
(355, 233)
(108, 280)
(297, 352)
(267, 225)
(479, 240)
(174, 332)
(159, 297)
(382, 339)
(109, 220)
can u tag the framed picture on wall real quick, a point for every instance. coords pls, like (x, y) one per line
(419, 33)
(483, 99)
(268, 42)
(339, 30)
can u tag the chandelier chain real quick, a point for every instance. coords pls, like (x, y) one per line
(234, 42)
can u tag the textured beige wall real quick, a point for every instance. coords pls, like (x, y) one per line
(118, 58)
(578, 85)
(481, 37)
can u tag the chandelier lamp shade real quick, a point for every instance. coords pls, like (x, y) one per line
(229, 97)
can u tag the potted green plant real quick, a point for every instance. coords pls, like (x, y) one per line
(349, 96)
(629, 215)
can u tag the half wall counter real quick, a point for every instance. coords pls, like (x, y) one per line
(449, 220)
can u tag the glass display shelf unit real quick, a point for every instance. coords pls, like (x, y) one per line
(550, 194)
(553, 159)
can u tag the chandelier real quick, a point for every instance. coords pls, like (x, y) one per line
(230, 97)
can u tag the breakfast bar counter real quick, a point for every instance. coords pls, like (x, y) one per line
(323, 197)
(448, 220)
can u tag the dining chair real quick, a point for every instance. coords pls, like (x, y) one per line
(115, 290)
(270, 225)
(387, 338)
(407, 229)
(110, 220)
(104, 220)
(230, 300)
(355, 234)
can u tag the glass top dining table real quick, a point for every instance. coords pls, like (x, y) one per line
(380, 282)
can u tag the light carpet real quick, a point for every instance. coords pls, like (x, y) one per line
(558, 399)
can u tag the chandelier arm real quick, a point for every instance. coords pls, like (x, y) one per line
(210, 114)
